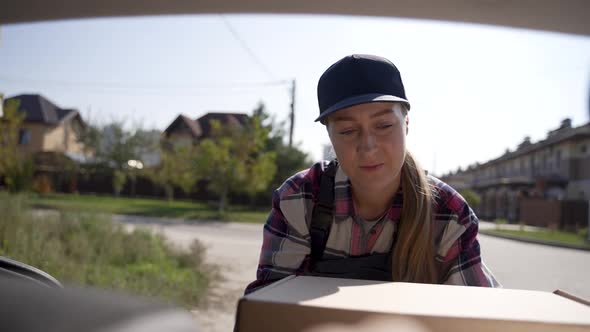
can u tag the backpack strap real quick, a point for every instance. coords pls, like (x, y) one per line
(321, 219)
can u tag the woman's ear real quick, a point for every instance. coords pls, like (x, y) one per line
(407, 125)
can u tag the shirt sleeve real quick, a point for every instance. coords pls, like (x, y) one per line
(462, 263)
(285, 244)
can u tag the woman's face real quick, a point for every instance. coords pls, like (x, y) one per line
(370, 143)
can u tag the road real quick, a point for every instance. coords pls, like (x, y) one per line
(234, 247)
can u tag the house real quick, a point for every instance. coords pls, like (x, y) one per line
(48, 127)
(184, 130)
(556, 168)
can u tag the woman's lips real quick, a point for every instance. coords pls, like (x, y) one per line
(371, 168)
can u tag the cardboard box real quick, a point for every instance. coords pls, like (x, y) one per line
(299, 303)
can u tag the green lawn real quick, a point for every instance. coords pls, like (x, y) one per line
(545, 235)
(147, 207)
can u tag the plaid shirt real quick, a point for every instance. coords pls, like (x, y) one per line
(286, 240)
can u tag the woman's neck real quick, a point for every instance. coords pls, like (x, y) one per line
(370, 204)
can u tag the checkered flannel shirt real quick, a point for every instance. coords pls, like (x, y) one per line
(286, 240)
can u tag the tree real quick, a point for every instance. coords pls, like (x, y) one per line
(289, 159)
(119, 179)
(16, 167)
(472, 198)
(175, 169)
(234, 159)
(114, 147)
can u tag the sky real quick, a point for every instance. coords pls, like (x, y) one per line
(475, 90)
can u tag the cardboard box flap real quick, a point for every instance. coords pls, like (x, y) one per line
(425, 300)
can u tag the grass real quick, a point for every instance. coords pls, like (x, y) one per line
(576, 239)
(147, 207)
(89, 249)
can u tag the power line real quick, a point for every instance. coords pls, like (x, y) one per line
(110, 85)
(105, 88)
(246, 48)
(267, 71)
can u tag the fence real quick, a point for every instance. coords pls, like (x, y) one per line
(566, 215)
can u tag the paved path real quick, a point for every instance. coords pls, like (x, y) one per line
(523, 265)
(235, 248)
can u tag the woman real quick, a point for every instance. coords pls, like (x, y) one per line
(374, 213)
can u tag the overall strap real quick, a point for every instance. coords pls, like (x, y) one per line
(321, 219)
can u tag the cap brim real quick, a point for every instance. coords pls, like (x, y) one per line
(361, 99)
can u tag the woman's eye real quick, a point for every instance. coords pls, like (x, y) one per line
(347, 132)
(384, 126)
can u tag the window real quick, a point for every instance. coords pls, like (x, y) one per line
(544, 161)
(24, 136)
(583, 148)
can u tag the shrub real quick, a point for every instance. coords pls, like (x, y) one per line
(583, 232)
(89, 249)
(18, 176)
(42, 184)
(119, 179)
(500, 221)
(471, 197)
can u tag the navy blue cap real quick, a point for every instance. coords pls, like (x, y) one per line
(358, 79)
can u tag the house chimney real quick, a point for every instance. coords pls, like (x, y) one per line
(565, 124)
(525, 142)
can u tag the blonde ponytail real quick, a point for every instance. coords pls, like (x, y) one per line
(413, 252)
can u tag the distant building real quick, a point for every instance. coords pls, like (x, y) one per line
(49, 128)
(555, 168)
(184, 130)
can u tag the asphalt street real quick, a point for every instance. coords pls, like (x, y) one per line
(234, 248)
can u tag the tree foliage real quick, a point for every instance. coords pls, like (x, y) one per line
(117, 145)
(234, 159)
(471, 197)
(289, 159)
(15, 166)
(176, 169)
(113, 146)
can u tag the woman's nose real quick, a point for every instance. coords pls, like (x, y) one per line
(366, 142)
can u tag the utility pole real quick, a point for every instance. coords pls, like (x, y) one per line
(292, 116)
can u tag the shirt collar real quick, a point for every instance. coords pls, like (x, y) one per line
(343, 204)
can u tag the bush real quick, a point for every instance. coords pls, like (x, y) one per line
(583, 232)
(500, 221)
(119, 179)
(471, 197)
(18, 176)
(42, 184)
(90, 249)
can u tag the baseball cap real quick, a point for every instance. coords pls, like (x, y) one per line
(358, 79)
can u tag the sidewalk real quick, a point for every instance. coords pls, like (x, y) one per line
(485, 225)
(488, 228)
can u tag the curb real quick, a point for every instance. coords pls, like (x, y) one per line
(535, 241)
